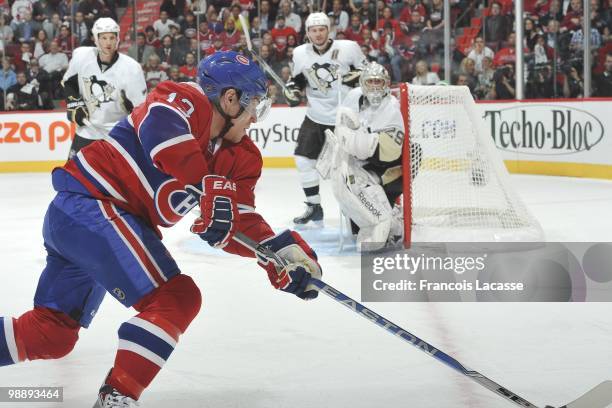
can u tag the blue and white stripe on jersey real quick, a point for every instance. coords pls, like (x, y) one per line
(147, 340)
(163, 126)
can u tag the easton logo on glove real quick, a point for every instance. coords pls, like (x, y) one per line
(219, 212)
(223, 185)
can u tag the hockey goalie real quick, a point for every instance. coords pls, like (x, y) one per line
(363, 160)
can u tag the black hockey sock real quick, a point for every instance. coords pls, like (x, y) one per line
(312, 194)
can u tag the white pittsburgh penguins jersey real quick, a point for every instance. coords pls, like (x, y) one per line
(323, 74)
(101, 91)
(386, 120)
(386, 117)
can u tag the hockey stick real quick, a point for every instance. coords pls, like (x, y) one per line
(598, 397)
(264, 65)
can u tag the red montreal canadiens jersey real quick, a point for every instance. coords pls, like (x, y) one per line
(147, 159)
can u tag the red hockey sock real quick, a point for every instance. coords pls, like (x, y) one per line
(147, 340)
(44, 333)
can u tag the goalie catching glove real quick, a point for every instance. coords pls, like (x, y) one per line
(76, 110)
(352, 137)
(302, 264)
(219, 212)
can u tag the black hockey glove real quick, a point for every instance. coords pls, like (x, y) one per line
(292, 94)
(352, 78)
(126, 104)
(76, 110)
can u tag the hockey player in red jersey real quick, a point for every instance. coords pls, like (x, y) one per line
(185, 146)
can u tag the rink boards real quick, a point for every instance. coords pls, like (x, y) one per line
(560, 137)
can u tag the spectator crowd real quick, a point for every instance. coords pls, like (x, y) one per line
(36, 42)
(37, 38)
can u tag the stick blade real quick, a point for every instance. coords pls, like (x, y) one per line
(599, 396)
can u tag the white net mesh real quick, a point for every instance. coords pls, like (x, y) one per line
(461, 190)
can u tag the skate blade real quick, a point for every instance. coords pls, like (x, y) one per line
(309, 225)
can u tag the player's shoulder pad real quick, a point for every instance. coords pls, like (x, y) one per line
(300, 50)
(191, 90)
(356, 47)
(344, 43)
(348, 44)
(127, 60)
(83, 53)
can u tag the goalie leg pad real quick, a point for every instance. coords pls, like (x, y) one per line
(325, 162)
(364, 201)
(374, 236)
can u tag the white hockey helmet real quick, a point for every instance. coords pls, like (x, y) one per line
(105, 25)
(375, 83)
(317, 19)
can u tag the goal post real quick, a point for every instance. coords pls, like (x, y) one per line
(455, 184)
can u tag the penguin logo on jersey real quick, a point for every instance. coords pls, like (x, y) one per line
(97, 91)
(322, 75)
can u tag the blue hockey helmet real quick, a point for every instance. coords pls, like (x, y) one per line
(229, 69)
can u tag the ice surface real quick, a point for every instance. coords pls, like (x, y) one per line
(254, 347)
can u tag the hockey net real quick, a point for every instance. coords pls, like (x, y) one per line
(456, 186)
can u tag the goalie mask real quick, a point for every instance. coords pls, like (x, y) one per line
(374, 82)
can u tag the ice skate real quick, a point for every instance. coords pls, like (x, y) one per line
(312, 217)
(109, 397)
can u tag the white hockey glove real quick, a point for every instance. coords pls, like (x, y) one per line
(303, 264)
(352, 137)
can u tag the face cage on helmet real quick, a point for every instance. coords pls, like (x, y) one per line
(375, 92)
(257, 106)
